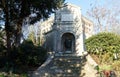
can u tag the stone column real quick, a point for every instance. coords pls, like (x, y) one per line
(79, 45)
(55, 39)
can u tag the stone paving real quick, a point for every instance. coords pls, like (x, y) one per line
(65, 66)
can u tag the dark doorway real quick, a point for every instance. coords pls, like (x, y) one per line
(68, 43)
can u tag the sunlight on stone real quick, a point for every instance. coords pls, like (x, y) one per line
(54, 67)
(50, 53)
(60, 59)
(84, 53)
(71, 65)
(46, 74)
(52, 56)
(58, 71)
(36, 73)
(58, 75)
(69, 61)
(69, 71)
(43, 65)
(77, 65)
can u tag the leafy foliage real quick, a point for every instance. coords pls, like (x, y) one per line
(13, 12)
(2, 47)
(2, 39)
(103, 47)
(102, 43)
(26, 55)
(29, 54)
(32, 37)
(116, 66)
(23, 59)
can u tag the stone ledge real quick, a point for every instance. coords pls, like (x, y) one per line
(49, 59)
(89, 68)
(91, 61)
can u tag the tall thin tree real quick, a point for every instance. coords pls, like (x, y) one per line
(16, 10)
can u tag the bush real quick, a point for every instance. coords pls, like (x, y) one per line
(3, 61)
(3, 57)
(116, 67)
(29, 54)
(107, 58)
(102, 43)
(106, 47)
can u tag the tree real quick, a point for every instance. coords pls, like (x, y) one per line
(2, 40)
(16, 10)
(31, 37)
(105, 18)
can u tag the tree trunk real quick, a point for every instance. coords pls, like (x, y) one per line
(18, 33)
(8, 35)
(7, 28)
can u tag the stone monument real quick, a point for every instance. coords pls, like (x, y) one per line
(68, 31)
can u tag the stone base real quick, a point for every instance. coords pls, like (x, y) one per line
(68, 51)
(66, 54)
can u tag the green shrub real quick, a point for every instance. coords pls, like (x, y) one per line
(29, 54)
(116, 66)
(107, 58)
(1, 75)
(24, 75)
(3, 61)
(106, 46)
(102, 43)
(105, 67)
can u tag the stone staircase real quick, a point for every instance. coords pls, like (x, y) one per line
(62, 66)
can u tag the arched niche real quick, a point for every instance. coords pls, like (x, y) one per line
(68, 43)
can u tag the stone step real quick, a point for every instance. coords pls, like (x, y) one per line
(65, 57)
(63, 66)
(67, 61)
(58, 54)
(61, 75)
(68, 57)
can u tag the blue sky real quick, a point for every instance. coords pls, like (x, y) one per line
(85, 4)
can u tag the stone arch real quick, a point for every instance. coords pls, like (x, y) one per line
(68, 43)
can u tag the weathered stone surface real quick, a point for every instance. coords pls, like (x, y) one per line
(66, 66)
